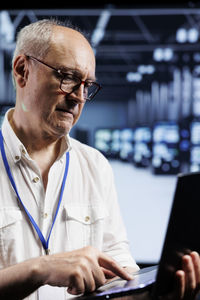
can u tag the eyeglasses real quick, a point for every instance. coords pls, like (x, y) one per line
(69, 82)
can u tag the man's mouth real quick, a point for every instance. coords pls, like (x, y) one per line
(64, 110)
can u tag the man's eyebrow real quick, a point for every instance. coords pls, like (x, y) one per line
(76, 72)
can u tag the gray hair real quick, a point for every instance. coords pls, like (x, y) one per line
(34, 39)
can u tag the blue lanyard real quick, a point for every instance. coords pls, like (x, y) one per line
(44, 242)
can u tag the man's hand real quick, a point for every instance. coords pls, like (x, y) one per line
(187, 280)
(82, 270)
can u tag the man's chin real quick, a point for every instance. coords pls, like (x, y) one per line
(62, 131)
(59, 131)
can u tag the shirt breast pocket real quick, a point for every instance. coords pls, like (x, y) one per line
(10, 233)
(85, 225)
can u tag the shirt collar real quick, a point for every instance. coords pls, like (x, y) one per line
(16, 147)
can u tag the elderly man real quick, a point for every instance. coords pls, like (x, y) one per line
(57, 196)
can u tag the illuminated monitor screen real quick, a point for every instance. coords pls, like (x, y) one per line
(126, 144)
(142, 146)
(195, 146)
(107, 140)
(195, 133)
(166, 133)
(165, 148)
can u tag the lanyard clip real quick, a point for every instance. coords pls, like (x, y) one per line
(47, 251)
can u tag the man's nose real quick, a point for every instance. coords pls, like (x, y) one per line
(78, 93)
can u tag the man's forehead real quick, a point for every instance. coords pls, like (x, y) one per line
(71, 41)
(70, 47)
(62, 34)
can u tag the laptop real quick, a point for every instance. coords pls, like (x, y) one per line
(182, 236)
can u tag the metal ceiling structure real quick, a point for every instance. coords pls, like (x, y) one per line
(124, 39)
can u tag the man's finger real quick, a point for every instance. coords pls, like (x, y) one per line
(76, 285)
(111, 265)
(108, 274)
(188, 268)
(196, 262)
(179, 284)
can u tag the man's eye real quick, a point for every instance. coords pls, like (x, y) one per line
(88, 84)
(70, 78)
(58, 74)
(67, 77)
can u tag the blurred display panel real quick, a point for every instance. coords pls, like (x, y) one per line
(195, 146)
(165, 148)
(142, 146)
(126, 144)
(107, 140)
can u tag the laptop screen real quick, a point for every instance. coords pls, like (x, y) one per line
(183, 230)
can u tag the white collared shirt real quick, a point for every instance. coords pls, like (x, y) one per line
(89, 213)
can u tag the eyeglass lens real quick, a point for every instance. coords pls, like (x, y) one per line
(89, 91)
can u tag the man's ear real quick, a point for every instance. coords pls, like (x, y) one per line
(20, 70)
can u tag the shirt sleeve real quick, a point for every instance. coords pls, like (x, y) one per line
(115, 241)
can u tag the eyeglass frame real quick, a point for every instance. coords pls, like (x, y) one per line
(63, 74)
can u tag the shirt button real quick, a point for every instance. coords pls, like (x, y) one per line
(36, 179)
(23, 151)
(87, 219)
(17, 157)
(45, 215)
